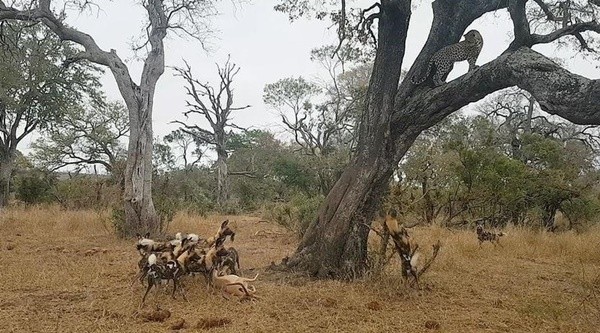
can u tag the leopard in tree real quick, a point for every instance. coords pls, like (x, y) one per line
(444, 59)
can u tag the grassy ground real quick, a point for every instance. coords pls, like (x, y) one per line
(535, 282)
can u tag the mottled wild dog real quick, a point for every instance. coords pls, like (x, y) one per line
(146, 245)
(229, 259)
(483, 235)
(407, 253)
(168, 268)
(409, 257)
(223, 232)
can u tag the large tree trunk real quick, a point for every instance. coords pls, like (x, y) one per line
(140, 214)
(335, 244)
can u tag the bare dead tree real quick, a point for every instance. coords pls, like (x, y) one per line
(396, 112)
(185, 17)
(216, 106)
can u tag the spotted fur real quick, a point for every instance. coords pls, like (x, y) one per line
(444, 59)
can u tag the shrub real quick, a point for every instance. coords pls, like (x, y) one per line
(295, 215)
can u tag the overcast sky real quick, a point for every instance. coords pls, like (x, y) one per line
(267, 47)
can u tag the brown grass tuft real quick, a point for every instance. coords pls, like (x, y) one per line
(178, 324)
(208, 323)
(432, 325)
(374, 305)
(157, 315)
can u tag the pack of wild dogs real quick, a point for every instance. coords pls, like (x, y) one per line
(190, 254)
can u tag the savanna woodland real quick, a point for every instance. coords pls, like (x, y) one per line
(491, 169)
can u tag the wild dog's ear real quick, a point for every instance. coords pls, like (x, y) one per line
(232, 236)
(224, 224)
(147, 235)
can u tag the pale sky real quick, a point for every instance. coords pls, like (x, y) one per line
(267, 47)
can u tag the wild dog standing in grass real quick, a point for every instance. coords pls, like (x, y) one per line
(229, 259)
(223, 232)
(217, 256)
(168, 268)
(407, 253)
(483, 235)
(146, 247)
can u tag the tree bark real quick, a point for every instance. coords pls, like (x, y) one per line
(222, 177)
(334, 244)
(6, 169)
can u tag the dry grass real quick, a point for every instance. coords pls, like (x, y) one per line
(535, 282)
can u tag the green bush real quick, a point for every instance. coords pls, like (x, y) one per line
(34, 187)
(295, 215)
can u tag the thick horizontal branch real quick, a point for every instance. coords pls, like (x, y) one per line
(557, 91)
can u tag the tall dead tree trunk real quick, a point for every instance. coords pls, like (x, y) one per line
(222, 174)
(334, 244)
(215, 105)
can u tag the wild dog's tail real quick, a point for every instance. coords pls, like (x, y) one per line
(500, 234)
(427, 73)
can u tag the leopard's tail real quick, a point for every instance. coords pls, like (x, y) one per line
(414, 78)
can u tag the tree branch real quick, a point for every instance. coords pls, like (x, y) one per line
(557, 90)
(573, 29)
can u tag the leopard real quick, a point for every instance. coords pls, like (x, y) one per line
(444, 59)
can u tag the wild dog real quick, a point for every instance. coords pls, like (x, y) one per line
(220, 258)
(229, 259)
(234, 285)
(408, 254)
(146, 245)
(223, 232)
(483, 235)
(192, 238)
(183, 246)
(167, 269)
